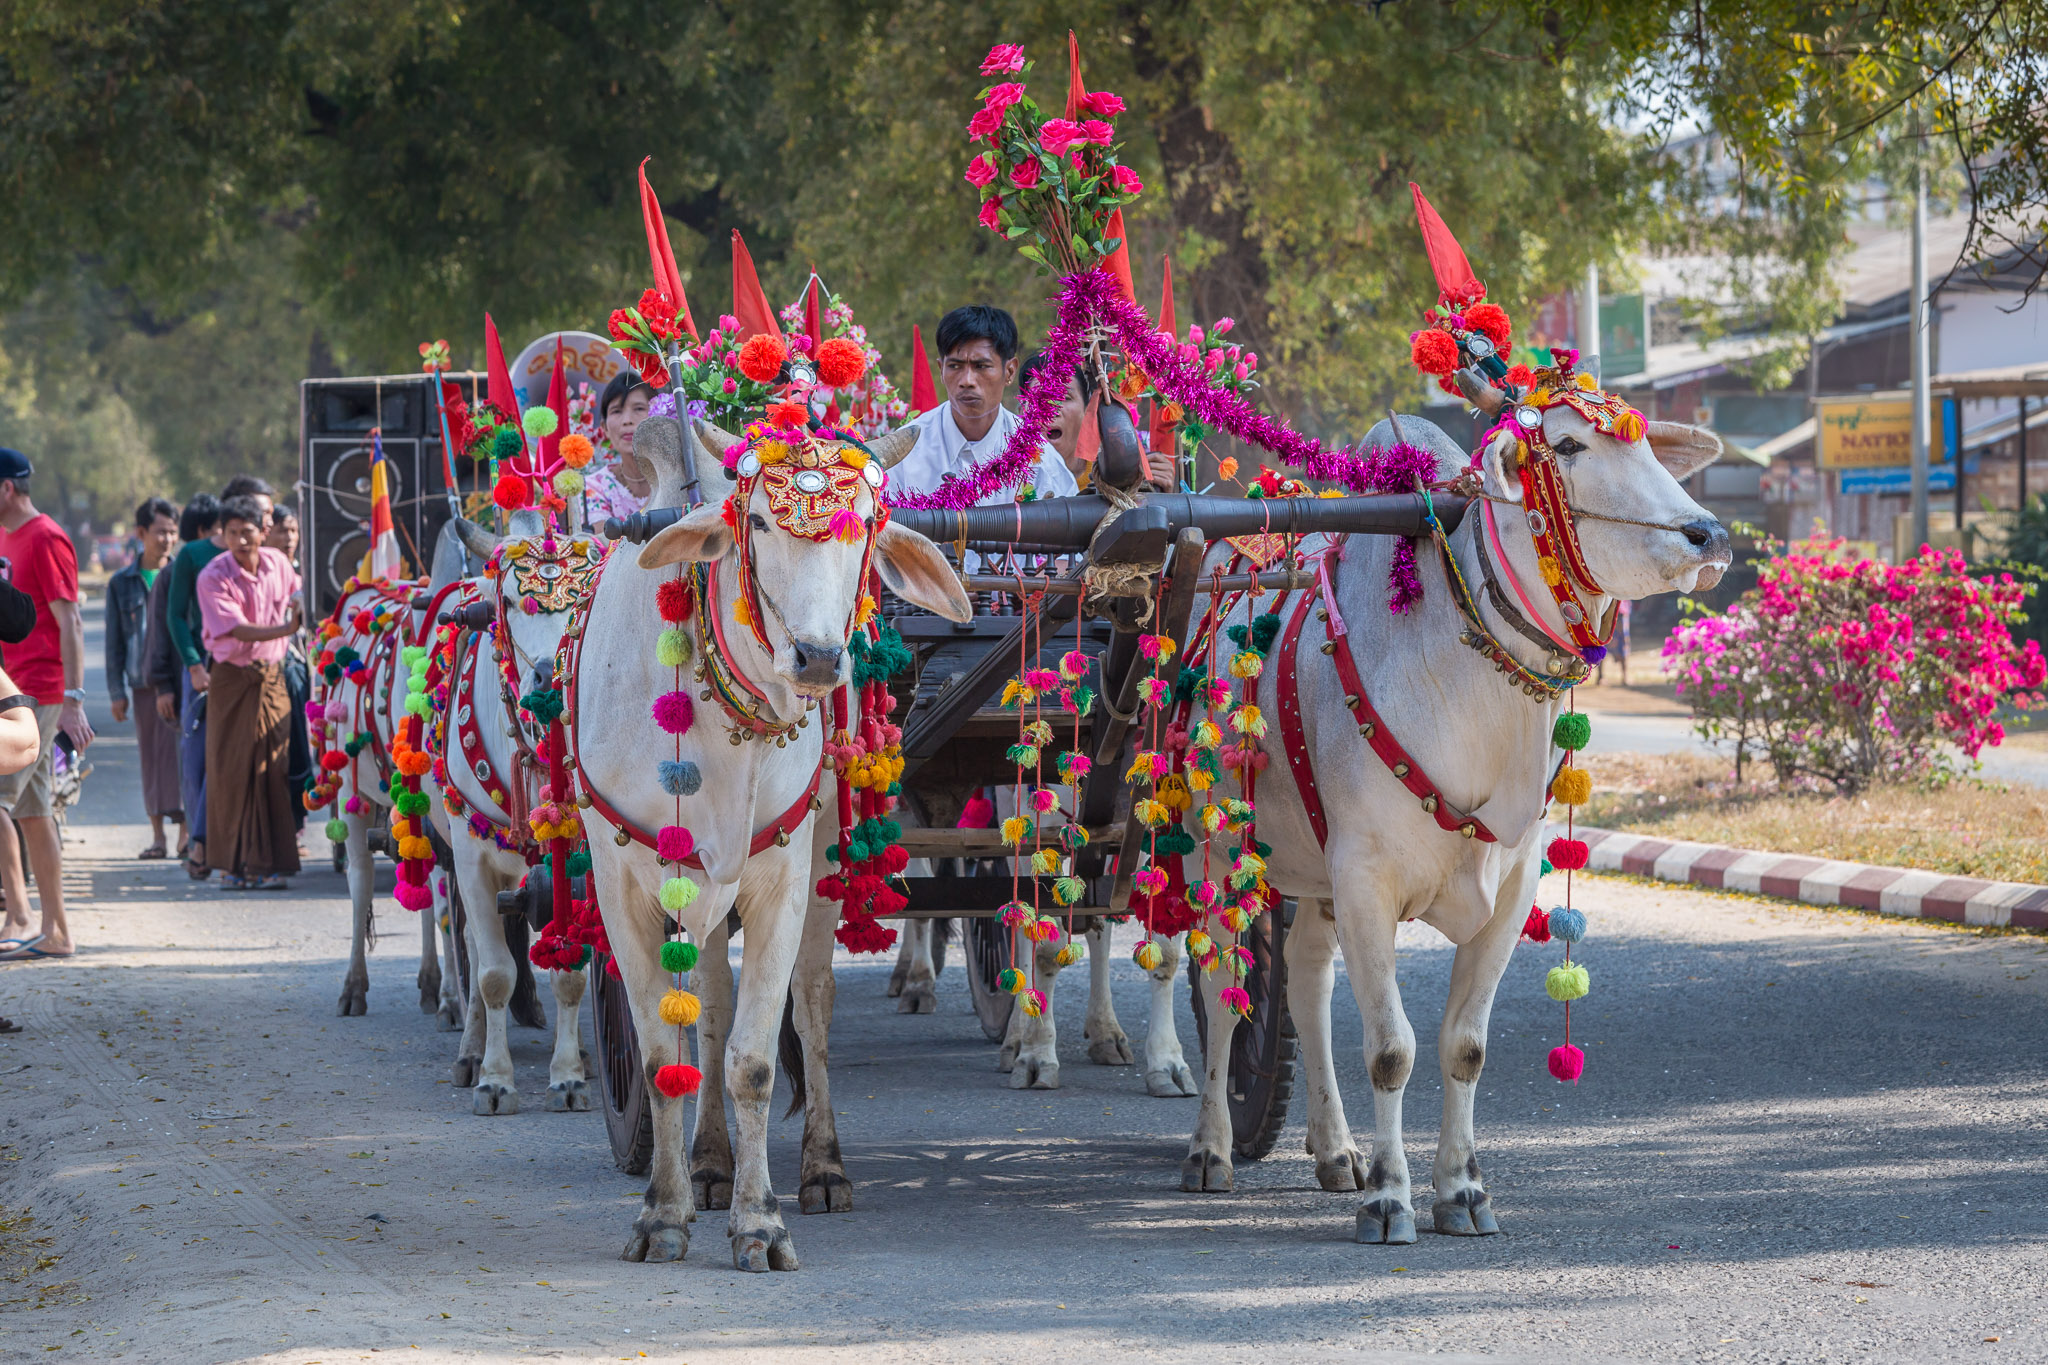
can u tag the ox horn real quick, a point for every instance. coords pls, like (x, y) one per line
(1478, 392)
(891, 449)
(716, 438)
(475, 538)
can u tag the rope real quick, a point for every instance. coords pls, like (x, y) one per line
(1118, 580)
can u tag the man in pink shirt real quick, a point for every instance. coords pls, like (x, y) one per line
(248, 608)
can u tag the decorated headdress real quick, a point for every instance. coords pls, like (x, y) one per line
(1462, 329)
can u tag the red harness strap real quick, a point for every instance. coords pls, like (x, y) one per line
(1370, 725)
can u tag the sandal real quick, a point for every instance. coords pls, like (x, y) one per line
(230, 882)
(195, 865)
(274, 882)
(154, 853)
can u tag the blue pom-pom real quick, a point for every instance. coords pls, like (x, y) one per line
(680, 778)
(1593, 654)
(1567, 923)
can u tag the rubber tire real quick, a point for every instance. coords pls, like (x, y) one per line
(622, 1080)
(1263, 1049)
(987, 952)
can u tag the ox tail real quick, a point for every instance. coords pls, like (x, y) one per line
(789, 1050)
(525, 1003)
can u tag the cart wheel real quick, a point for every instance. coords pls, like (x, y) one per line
(628, 1118)
(458, 925)
(1263, 1049)
(988, 952)
(340, 858)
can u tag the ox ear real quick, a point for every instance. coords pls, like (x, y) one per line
(891, 449)
(1497, 462)
(475, 538)
(1682, 449)
(698, 538)
(916, 572)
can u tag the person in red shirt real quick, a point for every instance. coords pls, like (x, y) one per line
(48, 666)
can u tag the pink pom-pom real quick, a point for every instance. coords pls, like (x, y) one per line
(673, 844)
(354, 805)
(847, 526)
(1041, 679)
(316, 711)
(1043, 800)
(480, 826)
(979, 813)
(1074, 665)
(1236, 998)
(674, 712)
(413, 897)
(1567, 1063)
(529, 606)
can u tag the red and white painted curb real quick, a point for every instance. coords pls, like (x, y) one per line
(1820, 881)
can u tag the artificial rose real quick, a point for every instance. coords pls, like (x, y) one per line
(1058, 134)
(1098, 132)
(981, 171)
(1102, 104)
(1223, 326)
(730, 387)
(984, 124)
(1024, 175)
(660, 314)
(1002, 97)
(1126, 180)
(728, 324)
(1196, 336)
(1002, 59)
(987, 217)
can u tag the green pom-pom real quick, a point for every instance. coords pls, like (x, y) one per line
(579, 863)
(1174, 840)
(1547, 868)
(332, 673)
(568, 483)
(832, 853)
(356, 744)
(415, 656)
(1571, 731)
(416, 705)
(337, 831)
(1190, 678)
(345, 656)
(672, 650)
(677, 893)
(1265, 629)
(677, 956)
(1068, 890)
(1567, 983)
(506, 444)
(1239, 634)
(540, 421)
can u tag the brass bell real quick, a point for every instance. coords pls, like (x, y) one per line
(782, 741)
(1367, 729)
(1400, 770)
(1329, 646)
(583, 800)
(732, 737)
(1322, 613)
(1467, 830)
(1350, 699)
(782, 838)
(1429, 804)
(622, 837)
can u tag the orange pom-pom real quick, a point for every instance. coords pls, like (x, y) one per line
(840, 362)
(1521, 376)
(761, 358)
(788, 415)
(1433, 352)
(1492, 320)
(577, 451)
(740, 614)
(1226, 468)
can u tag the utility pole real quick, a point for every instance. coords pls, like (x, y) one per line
(1921, 374)
(1589, 322)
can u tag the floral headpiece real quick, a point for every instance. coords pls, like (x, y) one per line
(813, 477)
(547, 576)
(1558, 384)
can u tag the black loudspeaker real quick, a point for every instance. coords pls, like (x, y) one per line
(336, 418)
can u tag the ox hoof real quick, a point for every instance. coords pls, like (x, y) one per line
(568, 1097)
(1171, 1082)
(897, 978)
(1343, 1172)
(490, 1098)
(656, 1241)
(1206, 1172)
(464, 1073)
(1030, 1074)
(1468, 1213)
(1115, 1050)
(825, 1192)
(354, 1000)
(765, 1250)
(1006, 1057)
(430, 990)
(711, 1189)
(918, 998)
(450, 1018)
(1386, 1221)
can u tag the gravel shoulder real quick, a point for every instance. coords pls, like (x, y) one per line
(1802, 1135)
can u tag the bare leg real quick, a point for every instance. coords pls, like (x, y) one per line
(1166, 1067)
(1367, 934)
(711, 1145)
(13, 884)
(568, 1069)
(430, 951)
(362, 885)
(490, 959)
(1036, 1041)
(453, 1007)
(1462, 1204)
(1208, 1165)
(1311, 976)
(775, 925)
(919, 994)
(906, 953)
(1107, 1043)
(823, 1186)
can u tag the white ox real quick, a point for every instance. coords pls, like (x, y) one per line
(1486, 745)
(504, 740)
(810, 590)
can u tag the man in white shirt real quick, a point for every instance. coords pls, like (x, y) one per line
(977, 364)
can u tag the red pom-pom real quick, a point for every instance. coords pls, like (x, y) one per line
(979, 813)
(840, 363)
(1433, 352)
(334, 760)
(761, 358)
(1568, 855)
(678, 1081)
(511, 492)
(788, 415)
(672, 599)
(895, 858)
(1492, 320)
(1567, 1063)
(1537, 927)
(1521, 376)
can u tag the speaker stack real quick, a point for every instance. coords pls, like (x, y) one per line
(336, 418)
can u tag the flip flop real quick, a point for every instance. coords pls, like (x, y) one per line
(31, 954)
(8, 1025)
(19, 944)
(230, 882)
(153, 852)
(271, 883)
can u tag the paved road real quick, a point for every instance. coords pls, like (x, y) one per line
(1802, 1136)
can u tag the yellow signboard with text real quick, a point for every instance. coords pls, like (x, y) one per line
(1875, 431)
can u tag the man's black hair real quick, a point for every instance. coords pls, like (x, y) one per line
(1082, 374)
(199, 518)
(148, 512)
(247, 486)
(282, 512)
(244, 508)
(978, 322)
(619, 390)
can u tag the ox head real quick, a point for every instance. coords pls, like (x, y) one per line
(538, 578)
(794, 519)
(1641, 533)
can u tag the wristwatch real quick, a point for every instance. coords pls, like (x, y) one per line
(74, 694)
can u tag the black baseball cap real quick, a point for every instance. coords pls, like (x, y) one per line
(14, 464)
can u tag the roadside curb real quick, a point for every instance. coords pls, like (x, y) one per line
(1897, 891)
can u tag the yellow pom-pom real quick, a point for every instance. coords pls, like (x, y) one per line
(1147, 956)
(672, 648)
(401, 828)
(1586, 381)
(1151, 813)
(568, 483)
(1071, 953)
(1630, 427)
(1173, 792)
(677, 893)
(1046, 861)
(866, 611)
(1573, 786)
(1199, 943)
(740, 615)
(1552, 572)
(679, 1009)
(1567, 983)
(1015, 830)
(1248, 720)
(1246, 664)
(1200, 779)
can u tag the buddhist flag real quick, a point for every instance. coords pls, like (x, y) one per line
(1161, 436)
(749, 303)
(386, 564)
(923, 396)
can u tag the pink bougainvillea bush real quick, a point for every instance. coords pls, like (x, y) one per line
(1848, 672)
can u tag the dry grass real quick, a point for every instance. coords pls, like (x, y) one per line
(1968, 829)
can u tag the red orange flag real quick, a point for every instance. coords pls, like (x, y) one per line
(923, 396)
(1118, 262)
(666, 278)
(503, 396)
(814, 309)
(1076, 92)
(1161, 436)
(1454, 278)
(558, 399)
(749, 304)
